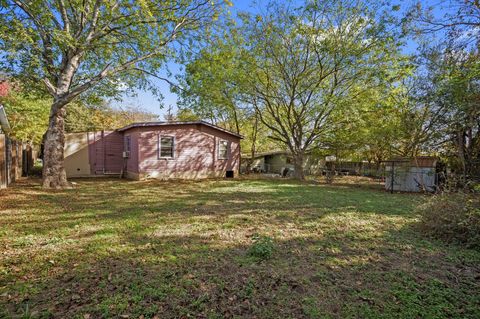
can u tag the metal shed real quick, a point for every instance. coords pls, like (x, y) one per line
(411, 174)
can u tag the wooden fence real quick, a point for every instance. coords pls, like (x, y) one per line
(16, 160)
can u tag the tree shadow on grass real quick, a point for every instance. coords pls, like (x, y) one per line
(117, 201)
(335, 274)
(179, 249)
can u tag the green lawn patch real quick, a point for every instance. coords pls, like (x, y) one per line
(226, 249)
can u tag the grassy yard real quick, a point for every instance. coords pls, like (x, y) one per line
(123, 249)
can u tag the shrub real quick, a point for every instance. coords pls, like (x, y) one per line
(453, 217)
(476, 187)
(262, 247)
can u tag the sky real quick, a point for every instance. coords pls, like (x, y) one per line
(146, 100)
(149, 102)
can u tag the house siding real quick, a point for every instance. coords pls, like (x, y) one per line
(77, 162)
(411, 175)
(276, 163)
(105, 152)
(93, 153)
(232, 163)
(132, 160)
(194, 153)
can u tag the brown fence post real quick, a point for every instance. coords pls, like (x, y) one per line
(393, 177)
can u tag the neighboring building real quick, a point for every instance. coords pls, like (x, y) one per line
(411, 174)
(356, 168)
(155, 150)
(272, 162)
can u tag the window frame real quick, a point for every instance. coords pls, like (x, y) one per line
(160, 147)
(127, 143)
(227, 149)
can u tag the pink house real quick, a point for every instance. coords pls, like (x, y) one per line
(155, 150)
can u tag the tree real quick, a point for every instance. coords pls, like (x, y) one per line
(452, 73)
(213, 83)
(460, 17)
(72, 46)
(391, 119)
(82, 117)
(365, 126)
(27, 111)
(27, 115)
(455, 77)
(213, 88)
(306, 61)
(186, 115)
(292, 69)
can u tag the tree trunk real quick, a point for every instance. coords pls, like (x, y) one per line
(254, 142)
(298, 166)
(460, 143)
(54, 175)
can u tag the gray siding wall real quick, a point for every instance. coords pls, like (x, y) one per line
(410, 179)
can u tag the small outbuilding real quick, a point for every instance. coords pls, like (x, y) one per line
(280, 162)
(273, 162)
(418, 174)
(155, 150)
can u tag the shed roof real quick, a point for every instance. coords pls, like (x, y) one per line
(418, 161)
(153, 124)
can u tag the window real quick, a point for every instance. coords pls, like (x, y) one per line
(222, 149)
(166, 147)
(126, 147)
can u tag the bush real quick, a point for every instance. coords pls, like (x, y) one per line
(262, 247)
(453, 217)
(476, 187)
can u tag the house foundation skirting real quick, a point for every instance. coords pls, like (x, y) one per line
(173, 175)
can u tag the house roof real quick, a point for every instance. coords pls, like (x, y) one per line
(262, 154)
(4, 125)
(153, 124)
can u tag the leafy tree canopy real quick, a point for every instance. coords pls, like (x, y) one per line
(82, 117)
(27, 114)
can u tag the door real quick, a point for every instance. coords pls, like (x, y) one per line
(106, 152)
